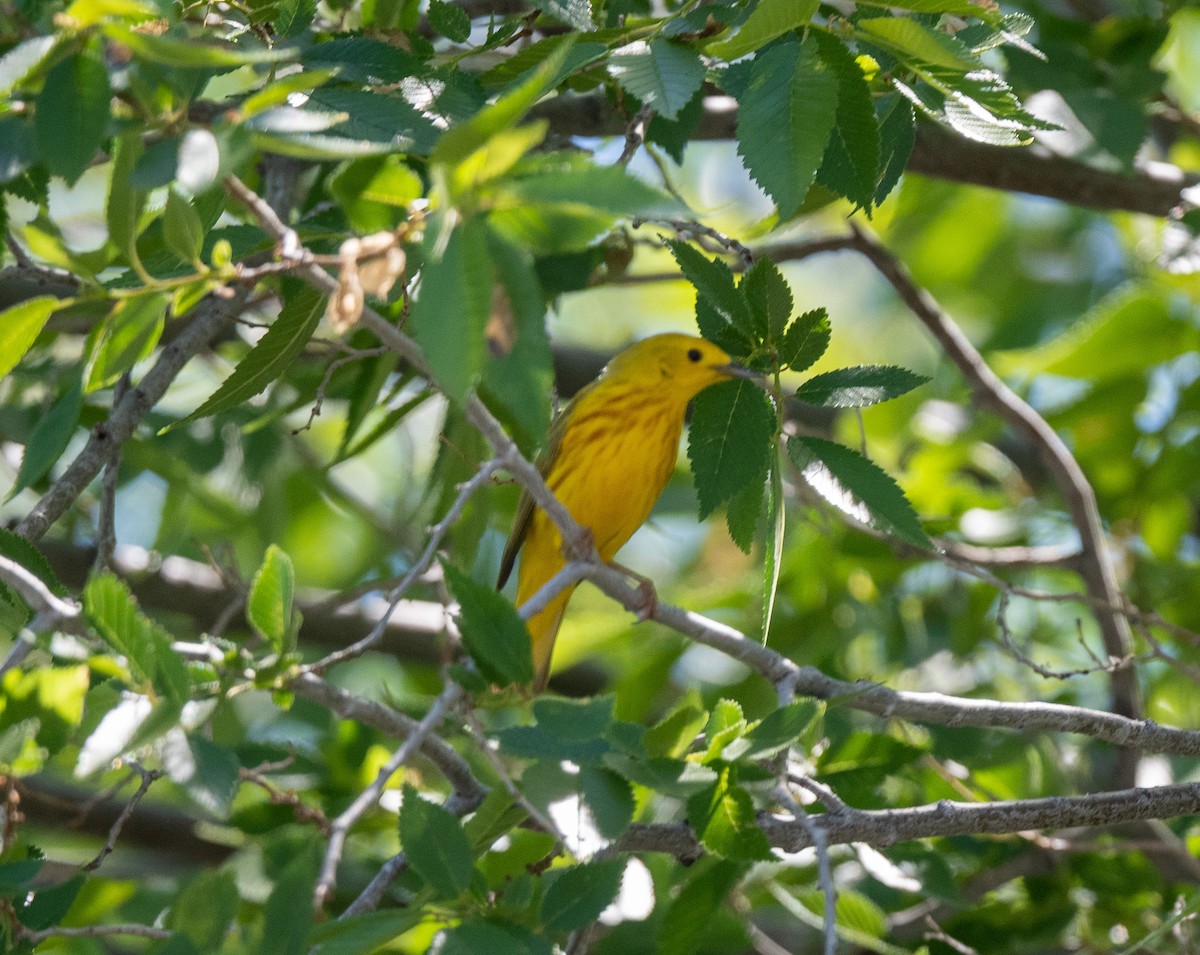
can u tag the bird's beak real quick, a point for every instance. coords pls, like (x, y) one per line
(734, 370)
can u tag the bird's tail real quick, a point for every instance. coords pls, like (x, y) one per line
(543, 628)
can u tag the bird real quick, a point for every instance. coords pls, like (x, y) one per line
(608, 456)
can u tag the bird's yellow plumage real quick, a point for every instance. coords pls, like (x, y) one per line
(610, 454)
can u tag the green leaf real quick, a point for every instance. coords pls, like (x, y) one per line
(606, 188)
(723, 819)
(364, 932)
(768, 20)
(15, 547)
(785, 118)
(288, 913)
(850, 166)
(662, 74)
(72, 112)
(609, 797)
(269, 607)
(674, 734)
(726, 723)
(914, 42)
(451, 310)
(858, 487)
(111, 609)
(17, 873)
(435, 845)
(124, 338)
(897, 136)
(473, 936)
(450, 20)
(208, 773)
(859, 386)
(959, 8)
(53, 696)
(578, 896)
(773, 549)
(493, 633)
(688, 917)
(458, 142)
(271, 356)
(575, 719)
(205, 909)
(769, 298)
(126, 202)
(186, 52)
(20, 62)
(50, 905)
(729, 441)
(49, 439)
(20, 326)
(805, 340)
(781, 727)
(182, 228)
(742, 515)
(722, 313)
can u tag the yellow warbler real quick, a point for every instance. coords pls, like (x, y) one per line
(610, 453)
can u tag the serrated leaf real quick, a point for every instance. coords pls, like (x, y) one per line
(451, 310)
(49, 439)
(742, 515)
(72, 112)
(785, 118)
(124, 338)
(859, 386)
(769, 298)
(270, 357)
(493, 633)
(450, 20)
(15, 547)
(897, 136)
(269, 606)
(288, 914)
(914, 42)
(662, 74)
(435, 845)
(729, 441)
(207, 772)
(858, 487)
(182, 229)
(575, 719)
(20, 326)
(364, 932)
(20, 61)
(673, 735)
(609, 797)
(768, 20)
(578, 896)
(495, 937)
(851, 163)
(574, 13)
(805, 340)
(721, 310)
(607, 188)
(782, 727)
(688, 917)
(723, 819)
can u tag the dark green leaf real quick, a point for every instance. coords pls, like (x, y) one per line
(364, 932)
(609, 797)
(769, 19)
(769, 298)
(805, 340)
(451, 310)
(574, 719)
(475, 936)
(851, 163)
(289, 911)
(688, 917)
(17, 873)
(579, 894)
(17, 548)
(606, 188)
(897, 136)
(450, 20)
(50, 905)
(72, 112)
(295, 17)
(208, 773)
(493, 634)
(49, 439)
(205, 909)
(785, 118)
(781, 727)
(270, 357)
(729, 441)
(723, 819)
(662, 74)
(269, 606)
(536, 742)
(727, 315)
(18, 151)
(435, 845)
(20, 326)
(742, 515)
(858, 487)
(859, 386)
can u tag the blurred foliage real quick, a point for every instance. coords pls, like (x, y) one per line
(306, 465)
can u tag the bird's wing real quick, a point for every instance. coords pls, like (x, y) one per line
(524, 515)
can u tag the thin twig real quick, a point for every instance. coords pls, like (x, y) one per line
(824, 873)
(94, 931)
(148, 776)
(340, 829)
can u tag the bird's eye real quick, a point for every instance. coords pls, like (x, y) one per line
(694, 354)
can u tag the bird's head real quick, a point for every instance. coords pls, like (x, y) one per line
(682, 365)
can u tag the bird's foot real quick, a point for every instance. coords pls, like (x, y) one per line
(647, 596)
